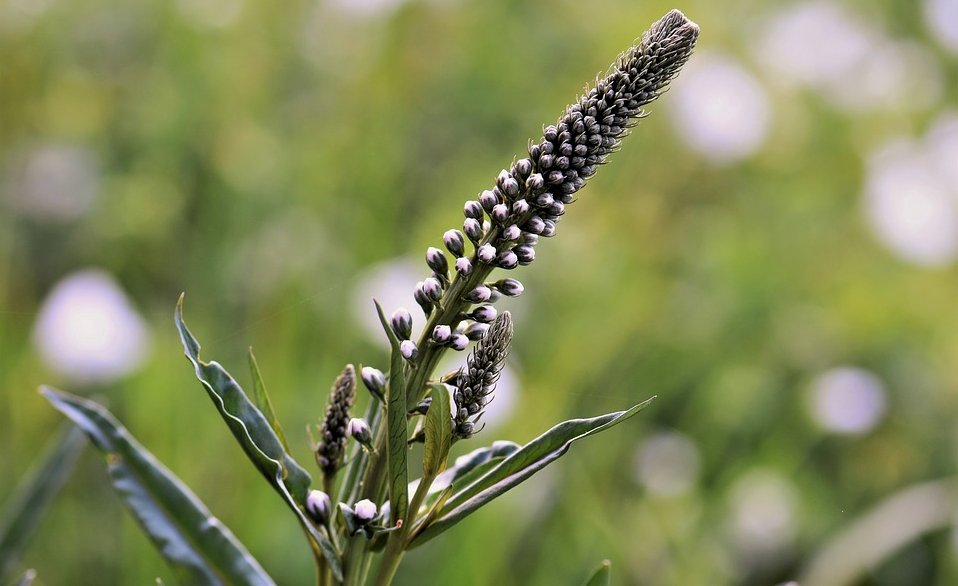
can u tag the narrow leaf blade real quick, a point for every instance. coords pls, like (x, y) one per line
(438, 433)
(263, 401)
(196, 545)
(518, 467)
(23, 511)
(601, 575)
(396, 430)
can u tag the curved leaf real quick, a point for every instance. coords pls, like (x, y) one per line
(263, 401)
(396, 427)
(438, 433)
(197, 546)
(258, 439)
(601, 575)
(522, 464)
(22, 512)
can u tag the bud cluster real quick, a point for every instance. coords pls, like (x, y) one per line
(475, 382)
(333, 433)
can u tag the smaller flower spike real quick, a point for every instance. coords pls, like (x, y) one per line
(476, 381)
(331, 448)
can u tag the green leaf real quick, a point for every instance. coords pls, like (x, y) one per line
(23, 511)
(263, 401)
(396, 431)
(522, 464)
(257, 438)
(600, 576)
(438, 433)
(468, 468)
(197, 546)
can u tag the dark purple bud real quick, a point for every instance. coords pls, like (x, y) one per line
(523, 167)
(463, 266)
(520, 207)
(534, 225)
(459, 341)
(437, 261)
(441, 334)
(546, 162)
(507, 259)
(511, 233)
(500, 212)
(494, 296)
(475, 331)
(472, 209)
(535, 182)
(424, 302)
(480, 294)
(374, 380)
(432, 288)
(530, 238)
(408, 349)
(509, 287)
(401, 322)
(544, 200)
(525, 253)
(473, 229)
(550, 133)
(556, 208)
(488, 200)
(510, 187)
(484, 314)
(548, 228)
(486, 252)
(454, 242)
(555, 177)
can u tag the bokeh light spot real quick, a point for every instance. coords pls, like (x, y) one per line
(847, 400)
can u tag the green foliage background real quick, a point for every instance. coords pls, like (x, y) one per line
(263, 165)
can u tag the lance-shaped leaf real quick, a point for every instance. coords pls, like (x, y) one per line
(23, 511)
(263, 401)
(438, 433)
(198, 547)
(256, 436)
(600, 576)
(515, 469)
(396, 430)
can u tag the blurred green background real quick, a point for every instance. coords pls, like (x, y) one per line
(772, 253)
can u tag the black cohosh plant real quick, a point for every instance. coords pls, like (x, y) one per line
(364, 514)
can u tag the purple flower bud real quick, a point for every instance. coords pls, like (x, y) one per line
(535, 182)
(509, 287)
(480, 294)
(520, 207)
(401, 322)
(556, 208)
(486, 252)
(436, 260)
(484, 314)
(374, 379)
(475, 331)
(463, 266)
(500, 212)
(544, 200)
(472, 209)
(424, 302)
(359, 430)
(318, 506)
(507, 259)
(454, 242)
(511, 233)
(441, 334)
(546, 161)
(554, 177)
(408, 349)
(459, 341)
(548, 228)
(529, 238)
(510, 187)
(523, 167)
(488, 200)
(473, 229)
(534, 225)
(365, 510)
(432, 288)
(525, 253)
(494, 296)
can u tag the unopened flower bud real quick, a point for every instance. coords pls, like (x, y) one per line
(318, 506)
(359, 430)
(478, 295)
(548, 228)
(500, 213)
(511, 233)
(454, 241)
(365, 510)
(401, 322)
(523, 167)
(534, 225)
(488, 200)
(473, 229)
(432, 288)
(487, 252)
(556, 209)
(463, 266)
(507, 259)
(437, 261)
(529, 238)
(475, 331)
(535, 182)
(441, 334)
(520, 207)
(484, 314)
(510, 187)
(459, 341)
(408, 349)
(509, 287)
(374, 379)
(472, 209)
(422, 299)
(525, 253)
(544, 200)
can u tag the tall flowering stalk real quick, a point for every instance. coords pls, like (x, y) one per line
(376, 512)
